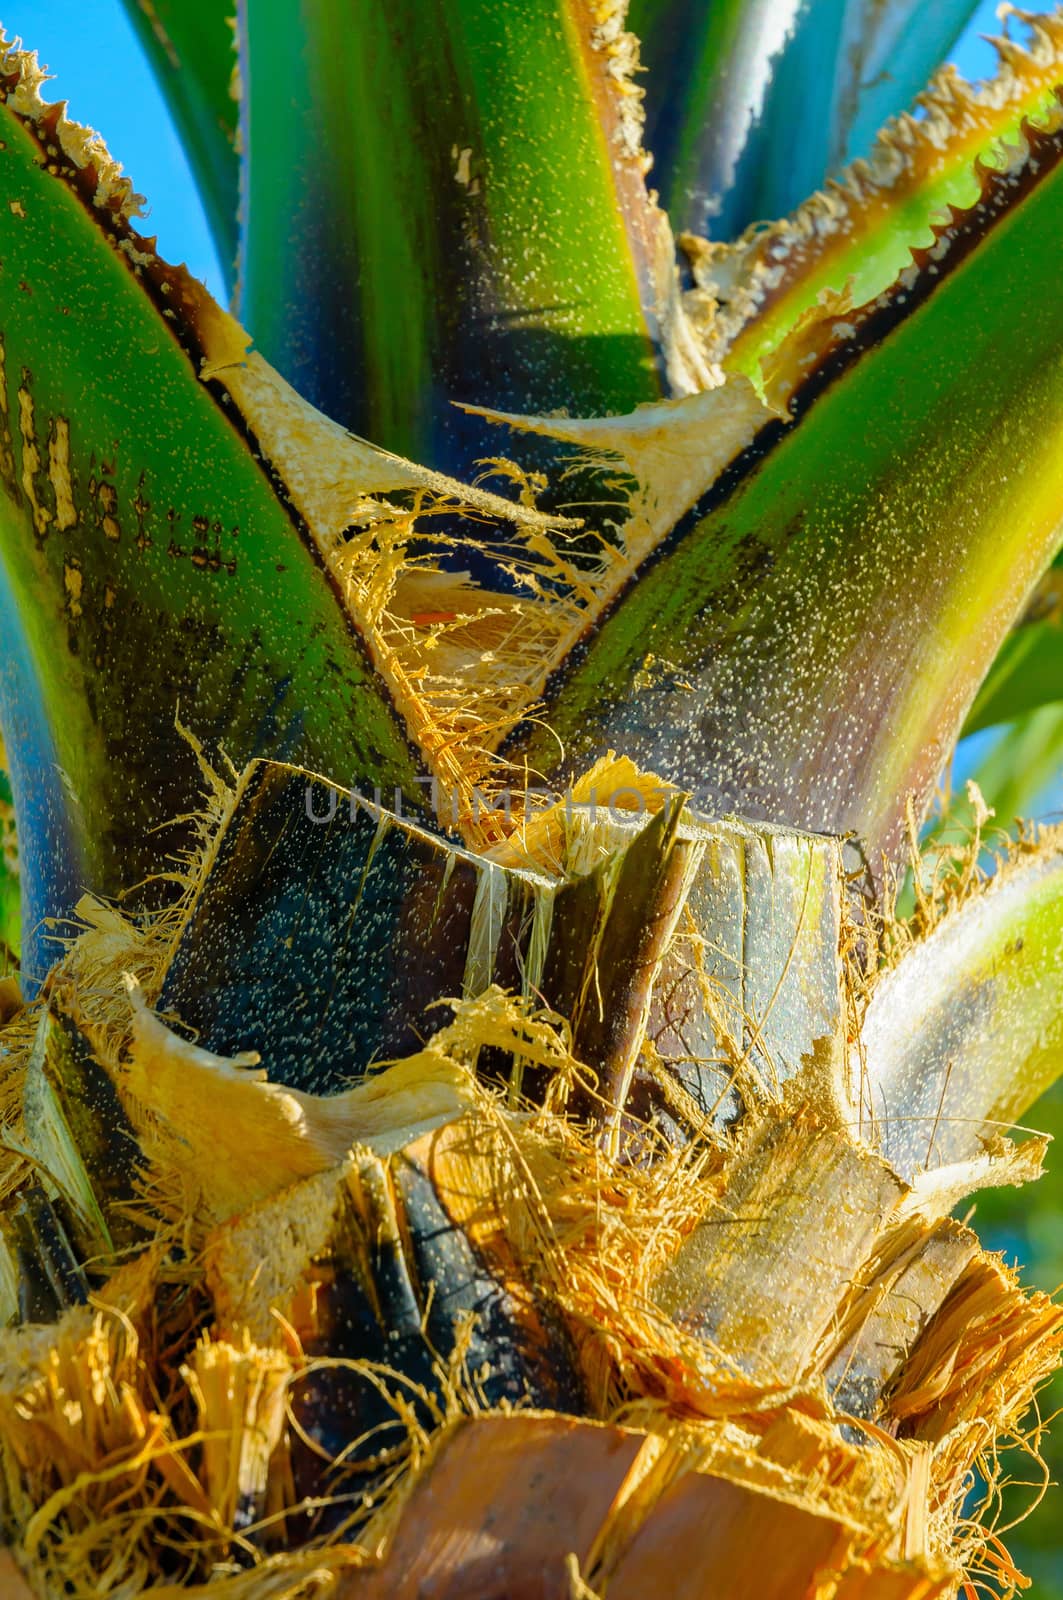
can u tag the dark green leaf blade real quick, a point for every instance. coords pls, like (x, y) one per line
(806, 647)
(851, 239)
(147, 557)
(193, 55)
(463, 199)
(730, 86)
(1026, 674)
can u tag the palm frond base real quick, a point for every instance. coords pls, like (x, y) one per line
(428, 1335)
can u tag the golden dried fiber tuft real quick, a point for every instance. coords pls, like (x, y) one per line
(767, 1328)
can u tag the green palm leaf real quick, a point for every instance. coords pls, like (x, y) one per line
(437, 195)
(192, 51)
(140, 537)
(807, 644)
(730, 88)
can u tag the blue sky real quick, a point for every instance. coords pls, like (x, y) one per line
(91, 48)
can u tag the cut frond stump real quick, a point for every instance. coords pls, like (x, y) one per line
(610, 1263)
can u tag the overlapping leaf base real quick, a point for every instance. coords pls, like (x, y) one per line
(542, 1304)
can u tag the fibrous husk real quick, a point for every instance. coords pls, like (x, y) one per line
(356, 1331)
